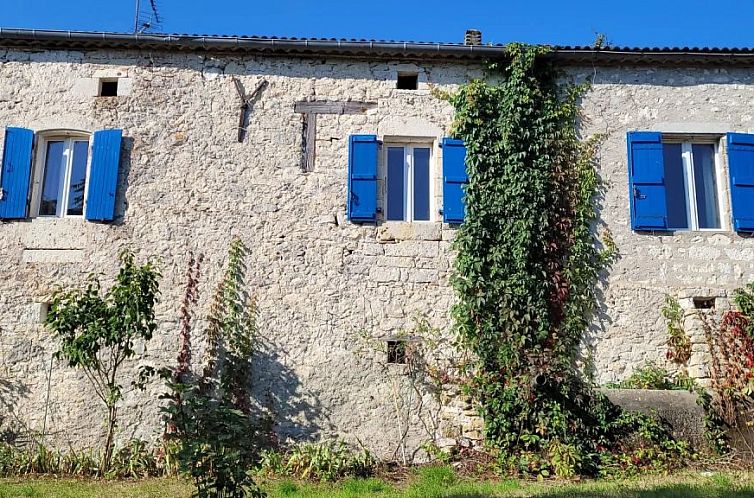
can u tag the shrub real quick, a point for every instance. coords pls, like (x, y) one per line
(649, 376)
(565, 459)
(326, 461)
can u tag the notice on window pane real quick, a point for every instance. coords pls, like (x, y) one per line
(396, 192)
(421, 184)
(54, 173)
(705, 184)
(675, 187)
(78, 178)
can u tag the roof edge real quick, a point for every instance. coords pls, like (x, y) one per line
(377, 49)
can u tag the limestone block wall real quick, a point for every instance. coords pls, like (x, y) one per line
(187, 185)
(706, 264)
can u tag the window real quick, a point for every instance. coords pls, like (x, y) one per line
(704, 303)
(692, 197)
(407, 81)
(408, 181)
(60, 176)
(396, 352)
(403, 179)
(108, 88)
(55, 174)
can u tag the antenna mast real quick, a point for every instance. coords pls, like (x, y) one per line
(136, 16)
(150, 19)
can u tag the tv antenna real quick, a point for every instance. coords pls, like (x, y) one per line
(147, 17)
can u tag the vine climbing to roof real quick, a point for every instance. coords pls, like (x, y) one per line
(526, 275)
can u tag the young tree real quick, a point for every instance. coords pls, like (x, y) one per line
(98, 332)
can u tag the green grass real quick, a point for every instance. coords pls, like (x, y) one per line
(430, 482)
(441, 482)
(66, 488)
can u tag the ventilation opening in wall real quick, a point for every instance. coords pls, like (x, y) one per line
(396, 352)
(704, 303)
(407, 81)
(108, 88)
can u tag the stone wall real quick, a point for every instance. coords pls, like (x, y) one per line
(187, 184)
(709, 264)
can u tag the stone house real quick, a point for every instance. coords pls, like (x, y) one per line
(344, 182)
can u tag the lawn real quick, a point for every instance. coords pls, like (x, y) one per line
(428, 483)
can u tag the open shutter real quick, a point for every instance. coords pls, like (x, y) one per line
(362, 178)
(16, 173)
(646, 174)
(103, 175)
(454, 178)
(741, 171)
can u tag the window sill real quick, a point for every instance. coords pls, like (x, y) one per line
(420, 92)
(41, 256)
(49, 219)
(54, 233)
(711, 231)
(391, 231)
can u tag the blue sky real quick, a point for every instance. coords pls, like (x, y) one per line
(639, 22)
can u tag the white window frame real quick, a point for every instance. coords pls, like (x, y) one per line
(68, 137)
(687, 159)
(408, 179)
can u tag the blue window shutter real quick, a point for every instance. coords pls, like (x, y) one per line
(454, 178)
(741, 171)
(646, 175)
(103, 175)
(362, 178)
(16, 173)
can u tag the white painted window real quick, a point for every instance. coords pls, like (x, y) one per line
(60, 175)
(692, 182)
(408, 182)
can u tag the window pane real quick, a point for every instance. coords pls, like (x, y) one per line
(53, 174)
(705, 183)
(421, 184)
(675, 187)
(78, 178)
(395, 183)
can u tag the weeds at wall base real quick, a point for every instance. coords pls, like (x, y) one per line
(136, 460)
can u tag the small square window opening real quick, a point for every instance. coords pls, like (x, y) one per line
(396, 352)
(704, 303)
(692, 198)
(407, 81)
(108, 88)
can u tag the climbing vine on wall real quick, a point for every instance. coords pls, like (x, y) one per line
(679, 343)
(209, 415)
(527, 269)
(731, 348)
(679, 352)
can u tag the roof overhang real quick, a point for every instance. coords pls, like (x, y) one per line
(362, 49)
